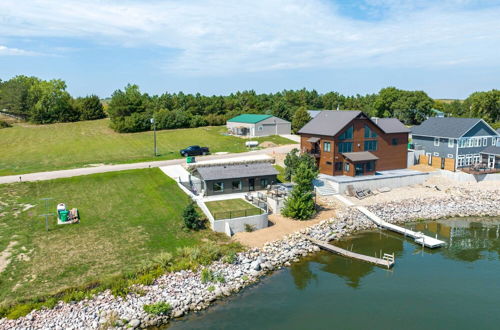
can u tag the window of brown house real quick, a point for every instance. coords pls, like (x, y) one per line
(394, 142)
(327, 146)
(328, 163)
(338, 166)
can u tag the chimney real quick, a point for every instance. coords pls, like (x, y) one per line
(375, 119)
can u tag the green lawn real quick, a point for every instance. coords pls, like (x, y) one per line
(231, 208)
(127, 218)
(34, 148)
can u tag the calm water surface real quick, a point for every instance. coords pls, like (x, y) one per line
(456, 287)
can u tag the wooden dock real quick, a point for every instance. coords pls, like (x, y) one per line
(387, 261)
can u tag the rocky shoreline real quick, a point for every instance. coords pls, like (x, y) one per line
(186, 292)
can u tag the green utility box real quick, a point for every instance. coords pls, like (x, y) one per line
(190, 159)
(63, 215)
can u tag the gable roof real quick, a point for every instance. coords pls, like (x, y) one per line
(392, 125)
(234, 171)
(450, 127)
(329, 122)
(249, 118)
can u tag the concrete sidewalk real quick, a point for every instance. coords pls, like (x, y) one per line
(40, 176)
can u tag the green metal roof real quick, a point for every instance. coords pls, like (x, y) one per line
(249, 118)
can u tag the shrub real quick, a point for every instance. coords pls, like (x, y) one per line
(164, 260)
(220, 278)
(120, 288)
(4, 124)
(19, 311)
(161, 308)
(192, 218)
(249, 228)
(230, 258)
(207, 275)
(211, 288)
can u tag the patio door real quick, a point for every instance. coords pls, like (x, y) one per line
(251, 184)
(359, 169)
(491, 161)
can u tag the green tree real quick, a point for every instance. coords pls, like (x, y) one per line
(51, 103)
(300, 204)
(291, 162)
(411, 107)
(484, 105)
(191, 217)
(300, 118)
(127, 110)
(90, 107)
(14, 95)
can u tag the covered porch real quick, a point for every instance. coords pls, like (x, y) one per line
(359, 163)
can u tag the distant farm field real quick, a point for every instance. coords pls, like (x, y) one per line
(127, 218)
(34, 148)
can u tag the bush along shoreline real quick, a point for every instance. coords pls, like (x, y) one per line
(175, 294)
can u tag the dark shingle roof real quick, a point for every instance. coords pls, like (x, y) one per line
(491, 150)
(329, 122)
(392, 125)
(233, 171)
(450, 127)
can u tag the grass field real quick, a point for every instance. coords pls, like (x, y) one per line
(127, 218)
(34, 148)
(231, 208)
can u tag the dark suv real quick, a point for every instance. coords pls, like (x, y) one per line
(194, 151)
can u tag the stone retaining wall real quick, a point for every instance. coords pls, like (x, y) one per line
(185, 292)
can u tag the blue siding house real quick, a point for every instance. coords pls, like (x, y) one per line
(457, 140)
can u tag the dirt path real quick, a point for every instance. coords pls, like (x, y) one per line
(280, 227)
(121, 167)
(5, 256)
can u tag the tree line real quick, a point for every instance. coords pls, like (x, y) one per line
(131, 110)
(46, 101)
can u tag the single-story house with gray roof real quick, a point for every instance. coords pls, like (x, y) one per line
(230, 178)
(252, 125)
(452, 143)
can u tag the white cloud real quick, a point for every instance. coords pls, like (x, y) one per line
(6, 51)
(219, 37)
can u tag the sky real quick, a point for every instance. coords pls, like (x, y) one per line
(448, 48)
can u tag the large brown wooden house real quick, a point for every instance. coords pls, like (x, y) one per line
(350, 143)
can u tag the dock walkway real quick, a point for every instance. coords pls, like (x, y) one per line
(419, 238)
(388, 263)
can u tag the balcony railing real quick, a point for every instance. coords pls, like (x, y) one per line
(314, 153)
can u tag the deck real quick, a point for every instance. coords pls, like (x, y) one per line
(480, 170)
(388, 263)
(419, 238)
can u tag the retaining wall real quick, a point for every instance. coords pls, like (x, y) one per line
(375, 183)
(466, 177)
(237, 225)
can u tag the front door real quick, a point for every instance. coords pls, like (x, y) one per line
(491, 161)
(359, 169)
(429, 158)
(251, 184)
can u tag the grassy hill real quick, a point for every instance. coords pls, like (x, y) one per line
(33, 148)
(127, 218)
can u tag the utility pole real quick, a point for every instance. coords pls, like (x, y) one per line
(154, 133)
(47, 213)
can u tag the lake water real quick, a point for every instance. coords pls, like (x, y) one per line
(456, 287)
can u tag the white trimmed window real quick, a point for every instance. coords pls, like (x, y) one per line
(477, 142)
(477, 159)
(460, 161)
(485, 142)
(327, 147)
(450, 143)
(436, 142)
(498, 141)
(261, 128)
(449, 156)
